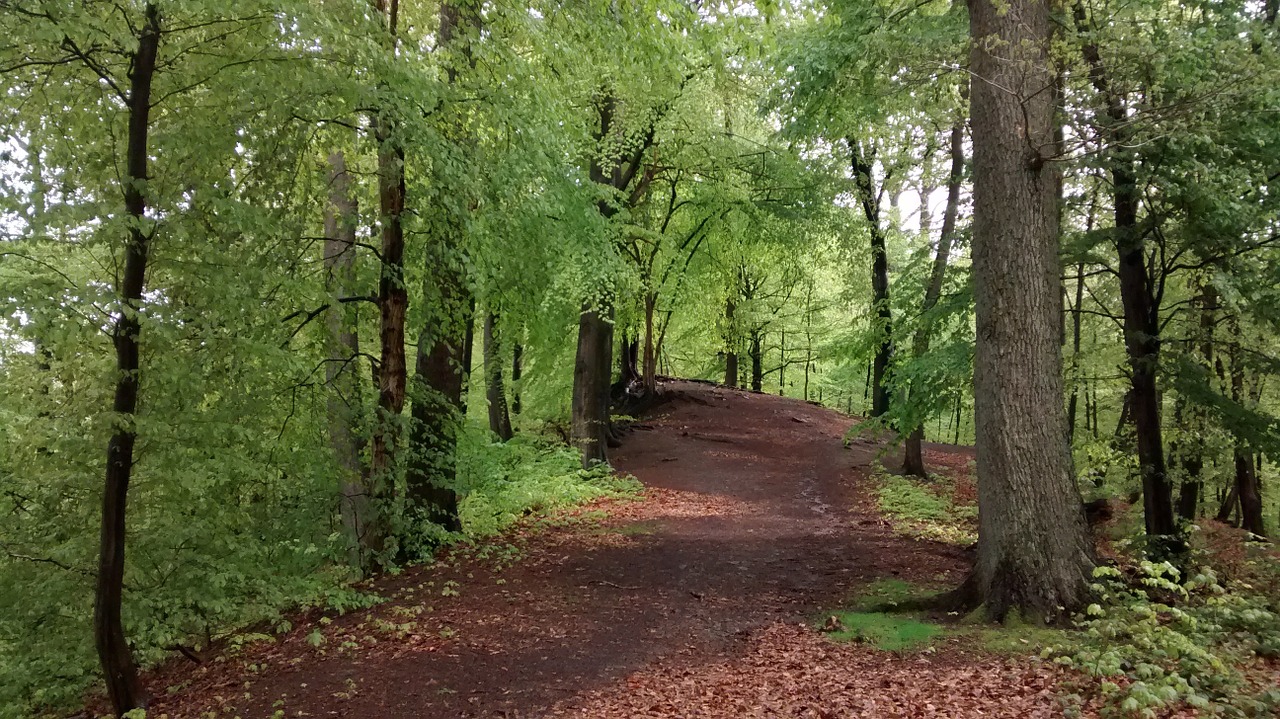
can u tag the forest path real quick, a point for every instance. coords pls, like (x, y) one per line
(691, 602)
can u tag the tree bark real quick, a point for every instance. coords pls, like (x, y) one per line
(1034, 552)
(363, 532)
(593, 364)
(1141, 310)
(517, 369)
(731, 349)
(1246, 476)
(592, 369)
(499, 419)
(118, 668)
(913, 452)
(649, 365)
(756, 351)
(883, 328)
(443, 362)
(393, 296)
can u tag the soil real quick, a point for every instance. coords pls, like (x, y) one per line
(698, 600)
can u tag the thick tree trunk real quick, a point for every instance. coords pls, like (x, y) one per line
(591, 374)
(393, 296)
(1034, 552)
(499, 419)
(869, 197)
(363, 532)
(913, 453)
(118, 668)
(756, 352)
(730, 346)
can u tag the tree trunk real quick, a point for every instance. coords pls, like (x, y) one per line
(1193, 452)
(782, 363)
(594, 361)
(883, 325)
(1034, 552)
(393, 296)
(1141, 311)
(443, 362)
(756, 351)
(591, 373)
(364, 534)
(1246, 485)
(517, 368)
(499, 419)
(913, 452)
(114, 654)
(731, 350)
(650, 364)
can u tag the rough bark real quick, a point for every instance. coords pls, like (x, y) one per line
(495, 391)
(1034, 553)
(118, 668)
(363, 532)
(913, 454)
(869, 198)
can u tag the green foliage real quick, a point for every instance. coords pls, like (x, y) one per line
(884, 631)
(925, 511)
(1157, 640)
(527, 476)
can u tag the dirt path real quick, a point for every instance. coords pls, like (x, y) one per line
(689, 603)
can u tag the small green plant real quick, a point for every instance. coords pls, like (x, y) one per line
(1157, 640)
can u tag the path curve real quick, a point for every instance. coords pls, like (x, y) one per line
(692, 602)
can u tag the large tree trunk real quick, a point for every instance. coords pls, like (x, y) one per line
(1034, 553)
(592, 370)
(363, 532)
(1141, 311)
(114, 655)
(499, 419)
(913, 453)
(393, 296)
(869, 197)
(731, 348)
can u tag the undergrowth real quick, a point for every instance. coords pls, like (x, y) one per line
(218, 593)
(925, 510)
(1158, 639)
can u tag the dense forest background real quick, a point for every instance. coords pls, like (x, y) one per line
(335, 282)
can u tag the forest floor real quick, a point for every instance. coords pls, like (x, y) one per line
(702, 598)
